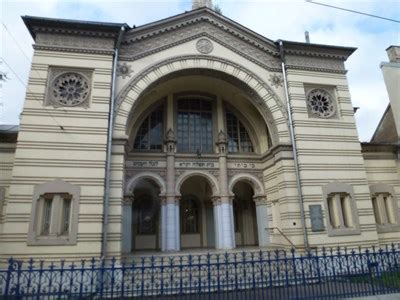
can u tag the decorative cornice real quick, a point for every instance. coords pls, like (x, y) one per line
(74, 50)
(230, 42)
(148, 31)
(70, 31)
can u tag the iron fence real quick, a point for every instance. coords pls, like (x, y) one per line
(328, 273)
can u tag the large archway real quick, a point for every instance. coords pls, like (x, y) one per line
(257, 90)
(197, 224)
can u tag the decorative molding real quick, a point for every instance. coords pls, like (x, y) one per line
(274, 110)
(68, 87)
(124, 70)
(204, 46)
(276, 80)
(74, 43)
(144, 47)
(203, 17)
(128, 200)
(38, 30)
(73, 50)
(320, 103)
(317, 64)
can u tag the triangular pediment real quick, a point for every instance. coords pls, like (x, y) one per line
(158, 36)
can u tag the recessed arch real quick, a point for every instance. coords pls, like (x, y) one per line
(259, 91)
(132, 182)
(249, 178)
(206, 175)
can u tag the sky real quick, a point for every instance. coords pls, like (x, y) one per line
(287, 20)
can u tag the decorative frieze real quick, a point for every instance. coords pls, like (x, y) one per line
(135, 49)
(317, 64)
(74, 43)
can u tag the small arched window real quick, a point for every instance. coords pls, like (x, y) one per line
(238, 137)
(189, 215)
(150, 134)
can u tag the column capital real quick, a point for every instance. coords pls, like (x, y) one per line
(260, 199)
(168, 199)
(127, 200)
(216, 200)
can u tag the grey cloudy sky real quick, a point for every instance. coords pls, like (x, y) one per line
(274, 19)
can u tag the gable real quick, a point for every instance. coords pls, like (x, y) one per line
(386, 130)
(155, 37)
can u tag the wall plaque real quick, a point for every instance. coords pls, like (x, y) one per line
(317, 220)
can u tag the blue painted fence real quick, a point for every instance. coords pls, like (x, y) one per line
(333, 273)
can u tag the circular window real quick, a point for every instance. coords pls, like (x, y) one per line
(70, 89)
(320, 103)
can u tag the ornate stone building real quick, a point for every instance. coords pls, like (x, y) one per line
(189, 132)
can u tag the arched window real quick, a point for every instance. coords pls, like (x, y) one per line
(190, 215)
(238, 138)
(145, 215)
(150, 134)
(195, 130)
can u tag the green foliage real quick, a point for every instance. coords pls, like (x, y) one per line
(218, 9)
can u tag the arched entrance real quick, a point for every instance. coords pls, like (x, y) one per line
(146, 216)
(244, 215)
(141, 216)
(197, 226)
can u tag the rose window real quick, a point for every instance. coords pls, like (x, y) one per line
(70, 89)
(320, 103)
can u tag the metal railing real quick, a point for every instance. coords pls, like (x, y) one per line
(284, 236)
(333, 273)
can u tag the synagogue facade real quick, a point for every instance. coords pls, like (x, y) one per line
(192, 132)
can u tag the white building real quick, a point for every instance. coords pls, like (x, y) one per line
(205, 150)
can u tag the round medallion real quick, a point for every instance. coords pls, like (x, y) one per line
(204, 46)
(320, 103)
(70, 89)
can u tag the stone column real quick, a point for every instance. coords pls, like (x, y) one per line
(171, 210)
(227, 234)
(262, 220)
(127, 243)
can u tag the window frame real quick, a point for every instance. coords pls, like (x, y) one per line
(379, 191)
(214, 118)
(146, 114)
(56, 191)
(239, 122)
(339, 191)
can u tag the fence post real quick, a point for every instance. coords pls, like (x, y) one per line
(8, 279)
(296, 288)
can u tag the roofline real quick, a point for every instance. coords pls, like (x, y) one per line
(194, 11)
(31, 21)
(346, 51)
(380, 123)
